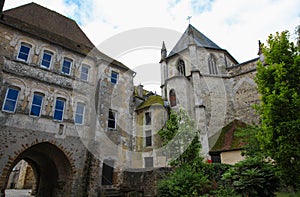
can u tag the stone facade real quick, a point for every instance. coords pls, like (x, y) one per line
(60, 140)
(73, 114)
(209, 84)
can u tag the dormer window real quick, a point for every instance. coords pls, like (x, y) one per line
(46, 61)
(114, 77)
(24, 52)
(181, 67)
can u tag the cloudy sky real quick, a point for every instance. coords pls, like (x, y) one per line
(234, 25)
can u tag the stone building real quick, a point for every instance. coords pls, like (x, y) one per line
(74, 116)
(56, 95)
(206, 81)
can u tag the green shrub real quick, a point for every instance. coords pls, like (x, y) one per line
(253, 177)
(185, 182)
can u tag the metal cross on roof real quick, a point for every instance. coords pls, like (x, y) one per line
(189, 18)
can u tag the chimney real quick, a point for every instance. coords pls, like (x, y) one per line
(140, 90)
(1, 7)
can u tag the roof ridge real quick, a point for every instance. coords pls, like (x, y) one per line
(200, 40)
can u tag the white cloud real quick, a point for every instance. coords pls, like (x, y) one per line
(234, 25)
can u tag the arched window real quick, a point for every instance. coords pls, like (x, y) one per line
(181, 67)
(212, 65)
(172, 97)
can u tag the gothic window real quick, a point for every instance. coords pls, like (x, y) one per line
(181, 67)
(46, 59)
(59, 109)
(84, 75)
(79, 113)
(114, 77)
(11, 98)
(172, 97)
(36, 105)
(148, 162)
(148, 118)
(66, 66)
(148, 138)
(24, 52)
(212, 65)
(111, 119)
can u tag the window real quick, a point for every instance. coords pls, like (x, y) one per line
(148, 118)
(46, 61)
(66, 67)
(59, 109)
(114, 77)
(79, 113)
(11, 99)
(111, 119)
(84, 73)
(212, 65)
(181, 67)
(172, 97)
(148, 138)
(148, 162)
(24, 52)
(36, 104)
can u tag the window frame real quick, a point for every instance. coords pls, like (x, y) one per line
(148, 121)
(66, 59)
(32, 104)
(24, 44)
(181, 67)
(15, 101)
(114, 113)
(84, 74)
(114, 80)
(212, 65)
(148, 138)
(63, 110)
(145, 162)
(50, 62)
(79, 114)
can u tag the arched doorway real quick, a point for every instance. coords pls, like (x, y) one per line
(51, 168)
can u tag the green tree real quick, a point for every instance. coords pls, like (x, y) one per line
(278, 83)
(180, 139)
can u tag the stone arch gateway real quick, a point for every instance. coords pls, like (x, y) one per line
(51, 167)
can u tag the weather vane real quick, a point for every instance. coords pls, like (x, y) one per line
(189, 18)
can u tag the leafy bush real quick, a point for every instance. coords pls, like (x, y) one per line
(185, 182)
(253, 177)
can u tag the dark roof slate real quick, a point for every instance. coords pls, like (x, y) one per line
(53, 27)
(199, 39)
(51, 21)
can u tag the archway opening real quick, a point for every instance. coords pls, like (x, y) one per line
(21, 178)
(51, 169)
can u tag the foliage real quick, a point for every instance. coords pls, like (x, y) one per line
(180, 137)
(253, 177)
(252, 144)
(185, 182)
(278, 83)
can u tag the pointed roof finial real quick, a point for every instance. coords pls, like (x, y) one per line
(189, 19)
(163, 52)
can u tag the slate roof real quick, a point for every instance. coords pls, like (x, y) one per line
(42, 22)
(199, 38)
(53, 27)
